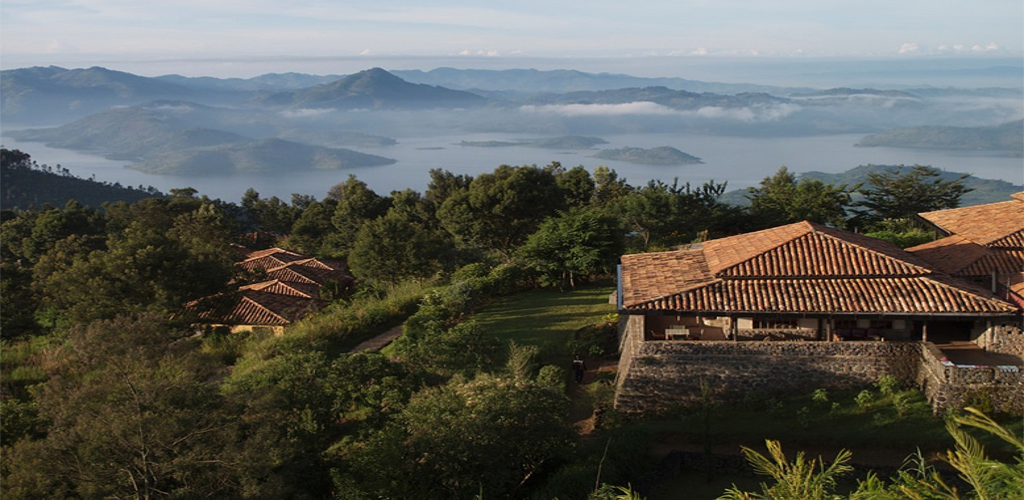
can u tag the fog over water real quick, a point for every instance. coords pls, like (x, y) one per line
(740, 161)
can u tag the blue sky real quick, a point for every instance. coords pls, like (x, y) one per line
(249, 37)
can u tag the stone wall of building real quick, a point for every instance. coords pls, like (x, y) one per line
(661, 375)
(1004, 339)
(991, 388)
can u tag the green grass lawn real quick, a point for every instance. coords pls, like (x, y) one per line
(547, 318)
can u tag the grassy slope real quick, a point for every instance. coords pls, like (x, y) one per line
(547, 318)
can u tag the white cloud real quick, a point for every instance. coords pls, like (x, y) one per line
(305, 113)
(631, 108)
(908, 48)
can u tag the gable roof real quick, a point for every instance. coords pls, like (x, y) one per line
(993, 225)
(797, 268)
(291, 290)
(960, 256)
(264, 260)
(252, 307)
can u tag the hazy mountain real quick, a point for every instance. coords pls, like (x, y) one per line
(129, 133)
(654, 156)
(531, 81)
(983, 190)
(268, 155)
(374, 89)
(1008, 137)
(267, 82)
(38, 94)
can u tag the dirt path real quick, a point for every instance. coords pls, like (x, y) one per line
(584, 419)
(377, 343)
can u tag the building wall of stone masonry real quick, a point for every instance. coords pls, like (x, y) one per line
(1004, 338)
(948, 386)
(661, 375)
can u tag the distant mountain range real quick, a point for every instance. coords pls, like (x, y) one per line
(373, 89)
(160, 139)
(172, 123)
(1008, 136)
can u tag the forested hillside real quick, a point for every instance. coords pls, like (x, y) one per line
(26, 184)
(108, 391)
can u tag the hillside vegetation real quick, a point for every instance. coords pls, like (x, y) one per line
(25, 184)
(1008, 136)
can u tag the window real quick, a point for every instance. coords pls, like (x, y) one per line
(775, 324)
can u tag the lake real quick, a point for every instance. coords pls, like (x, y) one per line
(740, 161)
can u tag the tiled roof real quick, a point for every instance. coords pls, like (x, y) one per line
(798, 268)
(307, 290)
(993, 224)
(252, 307)
(292, 290)
(299, 272)
(264, 260)
(904, 295)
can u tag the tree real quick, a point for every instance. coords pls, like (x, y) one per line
(573, 245)
(487, 435)
(781, 199)
(356, 205)
(578, 186)
(396, 247)
(500, 210)
(900, 193)
(130, 415)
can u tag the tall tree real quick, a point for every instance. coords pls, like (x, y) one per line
(782, 199)
(573, 246)
(356, 205)
(500, 209)
(900, 193)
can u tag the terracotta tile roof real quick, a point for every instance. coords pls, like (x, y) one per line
(252, 307)
(299, 272)
(291, 291)
(264, 260)
(798, 268)
(307, 290)
(806, 249)
(993, 224)
(905, 295)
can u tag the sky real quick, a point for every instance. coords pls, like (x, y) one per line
(244, 38)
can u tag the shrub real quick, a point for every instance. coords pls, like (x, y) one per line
(553, 377)
(820, 396)
(888, 385)
(864, 399)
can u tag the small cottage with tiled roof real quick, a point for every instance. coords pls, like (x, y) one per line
(289, 286)
(799, 307)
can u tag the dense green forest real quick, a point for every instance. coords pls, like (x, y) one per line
(106, 394)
